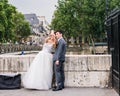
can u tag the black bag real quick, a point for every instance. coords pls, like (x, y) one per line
(10, 82)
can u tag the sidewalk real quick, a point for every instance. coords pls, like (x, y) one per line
(64, 92)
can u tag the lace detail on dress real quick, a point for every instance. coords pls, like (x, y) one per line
(47, 47)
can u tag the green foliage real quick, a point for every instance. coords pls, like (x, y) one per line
(82, 18)
(22, 28)
(8, 24)
(66, 19)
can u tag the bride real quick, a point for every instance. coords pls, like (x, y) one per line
(39, 75)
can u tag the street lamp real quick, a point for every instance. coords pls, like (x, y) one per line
(106, 31)
(107, 9)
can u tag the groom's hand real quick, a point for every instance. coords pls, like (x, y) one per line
(57, 62)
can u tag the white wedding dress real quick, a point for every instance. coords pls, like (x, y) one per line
(39, 75)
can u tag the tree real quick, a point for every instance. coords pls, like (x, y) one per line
(65, 18)
(6, 14)
(22, 28)
(12, 23)
(83, 18)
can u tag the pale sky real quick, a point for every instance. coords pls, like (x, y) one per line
(39, 7)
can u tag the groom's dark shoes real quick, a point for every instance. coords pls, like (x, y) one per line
(57, 88)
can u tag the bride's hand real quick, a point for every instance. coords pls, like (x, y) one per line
(57, 62)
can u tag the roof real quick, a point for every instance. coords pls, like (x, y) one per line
(31, 18)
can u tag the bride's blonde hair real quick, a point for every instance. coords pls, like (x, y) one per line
(53, 39)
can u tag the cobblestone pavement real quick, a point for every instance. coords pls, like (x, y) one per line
(64, 92)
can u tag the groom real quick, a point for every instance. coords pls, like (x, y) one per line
(58, 59)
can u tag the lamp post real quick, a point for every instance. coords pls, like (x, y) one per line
(107, 9)
(107, 34)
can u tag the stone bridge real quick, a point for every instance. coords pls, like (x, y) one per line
(80, 70)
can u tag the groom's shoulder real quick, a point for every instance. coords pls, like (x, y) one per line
(62, 40)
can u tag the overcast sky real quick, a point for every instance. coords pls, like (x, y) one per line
(39, 7)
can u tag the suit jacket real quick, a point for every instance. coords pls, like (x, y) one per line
(60, 51)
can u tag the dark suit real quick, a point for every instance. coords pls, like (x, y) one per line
(59, 69)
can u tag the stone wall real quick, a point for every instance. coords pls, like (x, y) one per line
(80, 70)
(16, 48)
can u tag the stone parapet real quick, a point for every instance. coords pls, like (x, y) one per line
(80, 70)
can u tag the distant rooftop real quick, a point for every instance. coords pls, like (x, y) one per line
(32, 18)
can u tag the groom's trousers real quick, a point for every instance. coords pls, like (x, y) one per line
(59, 74)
